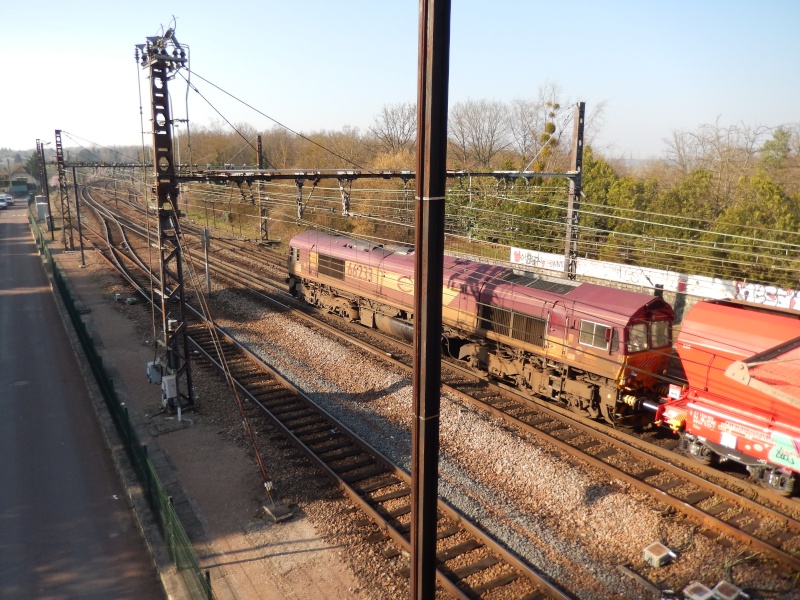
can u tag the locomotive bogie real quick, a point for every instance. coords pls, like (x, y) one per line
(779, 479)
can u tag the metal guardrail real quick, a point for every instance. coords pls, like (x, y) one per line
(198, 585)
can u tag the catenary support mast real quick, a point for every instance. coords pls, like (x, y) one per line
(163, 56)
(574, 200)
(63, 189)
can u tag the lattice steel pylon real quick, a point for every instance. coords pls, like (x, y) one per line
(163, 56)
(63, 191)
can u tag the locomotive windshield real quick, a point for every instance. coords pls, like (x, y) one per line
(644, 336)
(637, 337)
(661, 334)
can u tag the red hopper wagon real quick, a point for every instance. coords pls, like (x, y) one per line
(742, 401)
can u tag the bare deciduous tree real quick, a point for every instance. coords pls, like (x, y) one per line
(794, 137)
(478, 131)
(680, 152)
(525, 122)
(727, 152)
(538, 126)
(395, 127)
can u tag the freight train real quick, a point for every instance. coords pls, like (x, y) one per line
(603, 352)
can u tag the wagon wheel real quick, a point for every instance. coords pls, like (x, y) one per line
(780, 482)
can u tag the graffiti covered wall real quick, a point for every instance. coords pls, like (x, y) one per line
(695, 285)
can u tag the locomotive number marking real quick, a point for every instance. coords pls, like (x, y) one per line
(359, 272)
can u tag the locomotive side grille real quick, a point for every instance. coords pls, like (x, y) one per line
(330, 266)
(495, 319)
(525, 328)
(528, 329)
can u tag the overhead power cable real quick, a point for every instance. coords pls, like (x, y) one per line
(72, 136)
(232, 126)
(289, 129)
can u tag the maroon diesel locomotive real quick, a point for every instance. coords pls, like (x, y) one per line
(601, 351)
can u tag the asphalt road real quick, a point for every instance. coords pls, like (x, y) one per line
(66, 530)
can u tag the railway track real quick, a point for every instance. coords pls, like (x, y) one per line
(470, 563)
(722, 512)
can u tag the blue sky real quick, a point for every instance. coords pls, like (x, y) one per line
(315, 64)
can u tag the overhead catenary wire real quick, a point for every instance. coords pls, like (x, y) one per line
(287, 128)
(526, 219)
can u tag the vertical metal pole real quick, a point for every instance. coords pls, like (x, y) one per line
(574, 200)
(262, 221)
(78, 215)
(432, 86)
(64, 194)
(43, 170)
(299, 183)
(173, 301)
(206, 239)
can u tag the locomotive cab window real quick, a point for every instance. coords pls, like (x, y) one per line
(637, 337)
(598, 336)
(294, 254)
(660, 334)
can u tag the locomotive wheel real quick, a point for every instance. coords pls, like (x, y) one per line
(574, 404)
(608, 414)
(583, 408)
